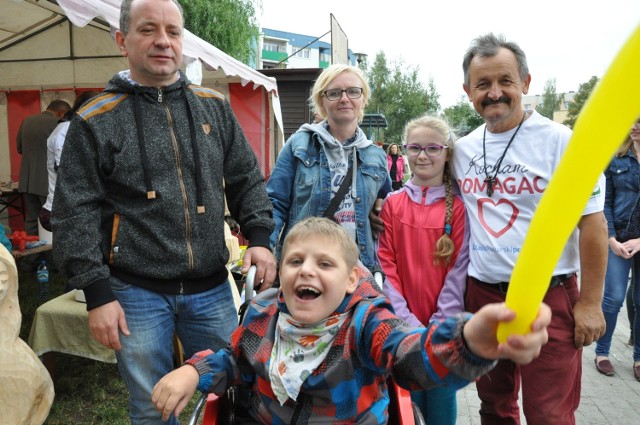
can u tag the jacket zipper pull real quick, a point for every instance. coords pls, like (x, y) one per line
(160, 95)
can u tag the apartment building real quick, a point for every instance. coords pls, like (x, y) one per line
(281, 49)
(560, 114)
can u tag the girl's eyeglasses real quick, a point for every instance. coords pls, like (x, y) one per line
(429, 150)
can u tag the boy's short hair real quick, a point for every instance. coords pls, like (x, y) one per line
(320, 226)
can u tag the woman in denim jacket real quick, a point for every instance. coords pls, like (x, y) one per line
(316, 159)
(622, 210)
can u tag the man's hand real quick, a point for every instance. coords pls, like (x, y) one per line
(376, 223)
(265, 264)
(587, 313)
(104, 323)
(590, 324)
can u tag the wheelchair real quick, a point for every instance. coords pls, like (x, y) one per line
(219, 410)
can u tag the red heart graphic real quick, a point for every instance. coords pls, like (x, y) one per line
(512, 219)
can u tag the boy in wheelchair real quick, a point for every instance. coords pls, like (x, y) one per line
(320, 348)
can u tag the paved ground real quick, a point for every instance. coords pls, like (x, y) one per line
(609, 400)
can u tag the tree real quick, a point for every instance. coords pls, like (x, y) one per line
(433, 104)
(584, 91)
(462, 117)
(230, 25)
(550, 99)
(397, 92)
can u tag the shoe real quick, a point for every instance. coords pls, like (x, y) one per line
(636, 371)
(606, 368)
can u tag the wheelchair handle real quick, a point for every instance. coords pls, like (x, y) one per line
(249, 283)
(377, 276)
(198, 409)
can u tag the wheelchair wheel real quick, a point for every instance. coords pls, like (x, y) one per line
(417, 415)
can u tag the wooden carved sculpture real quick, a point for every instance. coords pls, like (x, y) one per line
(26, 389)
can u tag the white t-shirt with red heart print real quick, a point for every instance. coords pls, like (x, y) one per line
(499, 223)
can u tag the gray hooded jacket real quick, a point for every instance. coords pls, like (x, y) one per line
(140, 190)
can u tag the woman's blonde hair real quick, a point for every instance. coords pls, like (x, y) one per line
(444, 246)
(326, 77)
(628, 142)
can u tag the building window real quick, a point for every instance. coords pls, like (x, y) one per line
(301, 53)
(273, 47)
(527, 106)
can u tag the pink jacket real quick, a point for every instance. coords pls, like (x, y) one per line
(419, 290)
(399, 166)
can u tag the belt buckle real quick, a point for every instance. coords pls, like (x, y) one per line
(503, 287)
(557, 280)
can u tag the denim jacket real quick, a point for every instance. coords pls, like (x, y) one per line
(622, 196)
(300, 187)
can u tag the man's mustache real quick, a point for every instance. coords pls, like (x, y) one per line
(502, 99)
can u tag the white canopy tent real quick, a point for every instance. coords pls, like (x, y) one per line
(54, 49)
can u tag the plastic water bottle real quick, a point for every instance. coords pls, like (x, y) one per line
(43, 281)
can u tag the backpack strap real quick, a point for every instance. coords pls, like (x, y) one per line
(340, 194)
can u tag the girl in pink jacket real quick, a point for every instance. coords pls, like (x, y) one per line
(424, 250)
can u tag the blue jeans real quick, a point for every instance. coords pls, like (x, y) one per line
(438, 405)
(201, 321)
(615, 289)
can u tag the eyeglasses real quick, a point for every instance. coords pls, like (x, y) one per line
(336, 94)
(430, 150)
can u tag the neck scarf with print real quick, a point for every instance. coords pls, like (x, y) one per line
(298, 350)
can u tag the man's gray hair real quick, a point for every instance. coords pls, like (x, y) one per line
(488, 45)
(125, 14)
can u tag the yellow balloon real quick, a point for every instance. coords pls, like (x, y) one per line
(601, 127)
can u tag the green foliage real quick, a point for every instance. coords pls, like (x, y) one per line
(462, 117)
(397, 92)
(230, 25)
(433, 98)
(584, 91)
(550, 99)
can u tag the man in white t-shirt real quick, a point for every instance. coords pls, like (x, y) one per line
(503, 168)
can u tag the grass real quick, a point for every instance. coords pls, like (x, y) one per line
(88, 392)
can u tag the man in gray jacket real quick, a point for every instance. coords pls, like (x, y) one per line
(138, 211)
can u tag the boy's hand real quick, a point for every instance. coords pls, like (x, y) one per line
(480, 334)
(174, 391)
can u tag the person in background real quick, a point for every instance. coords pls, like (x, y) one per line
(622, 210)
(55, 142)
(320, 159)
(31, 143)
(502, 169)
(138, 216)
(423, 249)
(395, 165)
(345, 339)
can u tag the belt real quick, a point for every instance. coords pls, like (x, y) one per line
(502, 287)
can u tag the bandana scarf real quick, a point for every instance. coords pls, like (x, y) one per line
(298, 350)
